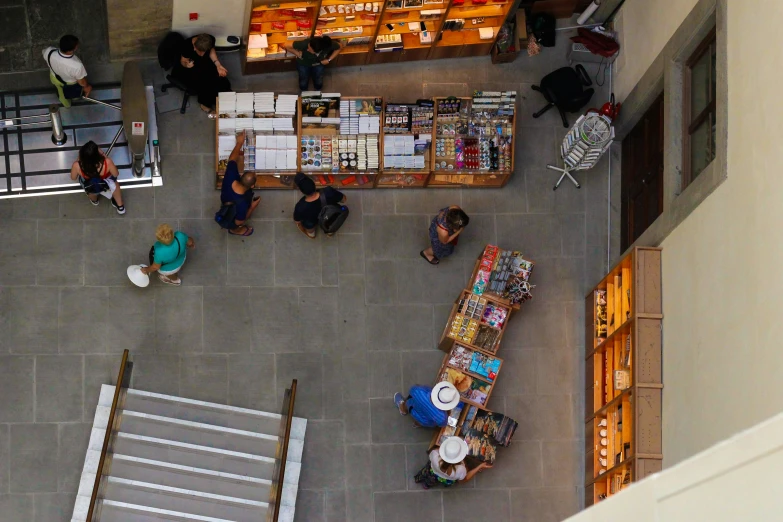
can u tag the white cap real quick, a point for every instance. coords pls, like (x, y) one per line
(453, 450)
(444, 396)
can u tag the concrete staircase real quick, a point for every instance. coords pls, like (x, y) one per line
(186, 460)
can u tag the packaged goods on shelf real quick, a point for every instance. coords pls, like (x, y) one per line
(504, 273)
(257, 41)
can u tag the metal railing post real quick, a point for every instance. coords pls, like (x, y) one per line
(58, 133)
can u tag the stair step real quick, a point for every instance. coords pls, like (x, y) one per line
(113, 511)
(189, 477)
(202, 411)
(198, 433)
(184, 500)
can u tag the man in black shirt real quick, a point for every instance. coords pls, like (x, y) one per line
(309, 207)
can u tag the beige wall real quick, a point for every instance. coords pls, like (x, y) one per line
(645, 26)
(723, 266)
(219, 18)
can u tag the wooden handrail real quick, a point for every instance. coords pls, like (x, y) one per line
(277, 488)
(107, 437)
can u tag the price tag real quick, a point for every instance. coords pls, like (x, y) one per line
(138, 128)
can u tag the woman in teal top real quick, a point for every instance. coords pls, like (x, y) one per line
(170, 254)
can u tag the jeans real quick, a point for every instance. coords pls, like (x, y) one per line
(316, 72)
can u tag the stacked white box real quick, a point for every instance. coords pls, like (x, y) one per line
(286, 104)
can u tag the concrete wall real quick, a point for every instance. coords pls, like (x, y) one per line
(737, 480)
(644, 26)
(723, 283)
(136, 27)
(28, 26)
(223, 18)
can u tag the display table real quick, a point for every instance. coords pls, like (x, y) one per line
(471, 340)
(364, 142)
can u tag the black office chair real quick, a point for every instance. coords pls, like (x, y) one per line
(564, 89)
(168, 57)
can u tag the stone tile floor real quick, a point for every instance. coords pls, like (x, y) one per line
(354, 318)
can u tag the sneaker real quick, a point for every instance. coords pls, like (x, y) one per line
(399, 400)
(96, 202)
(120, 208)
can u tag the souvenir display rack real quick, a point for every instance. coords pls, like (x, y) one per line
(350, 132)
(474, 140)
(474, 368)
(623, 375)
(409, 151)
(386, 31)
(267, 178)
(413, 125)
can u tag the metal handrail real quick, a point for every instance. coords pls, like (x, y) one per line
(122, 379)
(285, 428)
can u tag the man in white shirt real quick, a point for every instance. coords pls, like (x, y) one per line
(66, 70)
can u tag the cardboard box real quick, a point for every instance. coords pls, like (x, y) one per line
(521, 30)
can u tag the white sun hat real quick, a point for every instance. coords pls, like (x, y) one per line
(138, 277)
(444, 396)
(453, 450)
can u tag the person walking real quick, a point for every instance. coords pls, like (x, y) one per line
(308, 208)
(312, 56)
(168, 254)
(66, 70)
(237, 190)
(445, 229)
(446, 465)
(201, 71)
(429, 407)
(97, 174)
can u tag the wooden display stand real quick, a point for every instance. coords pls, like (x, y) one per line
(278, 20)
(465, 178)
(343, 180)
(623, 375)
(471, 307)
(384, 178)
(265, 179)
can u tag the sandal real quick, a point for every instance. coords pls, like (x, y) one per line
(210, 112)
(398, 399)
(248, 231)
(166, 280)
(304, 231)
(434, 261)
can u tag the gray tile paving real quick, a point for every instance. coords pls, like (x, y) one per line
(353, 318)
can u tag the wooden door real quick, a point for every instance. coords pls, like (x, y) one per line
(642, 174)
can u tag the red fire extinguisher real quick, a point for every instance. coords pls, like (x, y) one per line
(610, 109)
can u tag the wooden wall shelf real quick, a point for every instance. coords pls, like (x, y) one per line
(440, 44)
(623, 375)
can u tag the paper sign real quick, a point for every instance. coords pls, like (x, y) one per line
(138, 128)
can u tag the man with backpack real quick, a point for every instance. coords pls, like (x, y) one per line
(325, 207)
(236, 195)
(66, 70)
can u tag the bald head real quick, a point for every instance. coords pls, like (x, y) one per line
(248, 179)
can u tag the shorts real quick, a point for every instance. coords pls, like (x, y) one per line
(108, 194)
(172, 272)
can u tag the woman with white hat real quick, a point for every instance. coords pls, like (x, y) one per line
(429, 407)
(447, 466)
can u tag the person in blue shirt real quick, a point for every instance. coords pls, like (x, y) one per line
(237, 189)
(428, 406)
(169, 254)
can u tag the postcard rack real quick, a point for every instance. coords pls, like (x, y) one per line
(623, 375)
(471, 340)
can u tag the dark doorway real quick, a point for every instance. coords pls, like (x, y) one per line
(642, 174)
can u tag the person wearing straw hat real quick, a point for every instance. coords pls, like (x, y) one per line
(446, 466)
(429, 407)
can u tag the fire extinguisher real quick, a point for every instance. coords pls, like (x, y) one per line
(610, 109)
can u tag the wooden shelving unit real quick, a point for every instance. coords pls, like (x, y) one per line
(279, 20)
(623, 375)
(446, 172)
(434, 174)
